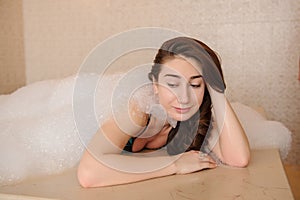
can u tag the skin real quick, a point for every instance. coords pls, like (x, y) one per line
(180, 93)
(180, 89)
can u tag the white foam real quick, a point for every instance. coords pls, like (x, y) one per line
(261, 132)
(39, 136)
(38, 133)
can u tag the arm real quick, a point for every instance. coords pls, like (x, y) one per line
(232, 146)
(92, 173)
(97, 165)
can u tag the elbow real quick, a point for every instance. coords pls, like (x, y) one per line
(91, 173)
(87, 177)
(84, 177)
(242, 161)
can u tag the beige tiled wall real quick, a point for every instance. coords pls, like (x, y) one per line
(258, 41)
(12, 65)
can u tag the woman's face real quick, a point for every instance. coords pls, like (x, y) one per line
(180, 89)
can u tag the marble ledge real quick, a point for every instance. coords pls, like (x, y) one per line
(264, 178)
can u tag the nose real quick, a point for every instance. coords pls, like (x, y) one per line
(184, 95)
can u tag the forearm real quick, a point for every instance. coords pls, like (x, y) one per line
(232, 146)
(114, 169)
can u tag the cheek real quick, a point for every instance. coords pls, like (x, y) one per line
(165, 95)
(199, 96)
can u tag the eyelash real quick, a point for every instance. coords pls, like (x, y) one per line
(171, 85)
(196, 86)
(176, 85)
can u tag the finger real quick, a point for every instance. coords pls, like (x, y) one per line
(212, 165)
(208, 165)
(211, 159)
(207, 159)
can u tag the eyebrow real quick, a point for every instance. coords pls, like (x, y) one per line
(177, 76)
(194, 77)
(172, 75)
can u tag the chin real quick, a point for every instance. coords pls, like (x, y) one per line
(181, 118)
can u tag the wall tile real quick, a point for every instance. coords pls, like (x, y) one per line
(258, 41)
(12, 64)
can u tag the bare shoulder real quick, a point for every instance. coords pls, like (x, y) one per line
(137, 114)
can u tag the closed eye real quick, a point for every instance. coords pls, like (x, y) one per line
(172, 85)
(196, 85)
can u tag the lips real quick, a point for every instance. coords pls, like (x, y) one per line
(182, 110)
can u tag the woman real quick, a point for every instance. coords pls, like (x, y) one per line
(187, 82)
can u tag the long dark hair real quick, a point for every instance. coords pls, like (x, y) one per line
(190, 134)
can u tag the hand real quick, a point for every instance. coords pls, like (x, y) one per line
(192, 161)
